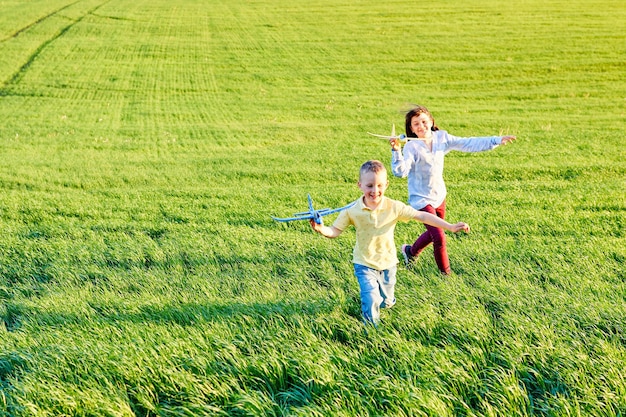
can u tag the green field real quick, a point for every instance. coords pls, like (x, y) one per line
(144, 146)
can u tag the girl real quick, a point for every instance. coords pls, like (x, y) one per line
(422, 162)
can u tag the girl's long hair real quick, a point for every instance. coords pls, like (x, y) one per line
(416, 111)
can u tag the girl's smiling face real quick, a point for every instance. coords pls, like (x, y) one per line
(422, 125)
(373, 185)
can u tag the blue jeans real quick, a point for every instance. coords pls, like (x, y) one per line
(377, 290)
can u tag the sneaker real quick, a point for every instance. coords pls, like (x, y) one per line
(388, 304)
(408, 257)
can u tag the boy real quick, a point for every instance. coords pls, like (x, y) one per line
(374, 217)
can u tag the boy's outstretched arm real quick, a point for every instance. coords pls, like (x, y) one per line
(326, 231)
(433, 220)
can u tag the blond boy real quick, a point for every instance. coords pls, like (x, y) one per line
(374, 217)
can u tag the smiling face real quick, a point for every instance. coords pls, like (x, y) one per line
(421, 125)
(373, 185)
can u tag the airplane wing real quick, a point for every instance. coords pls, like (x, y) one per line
(312, 214)
(290, 219)
(401, 137)
(379, 136)
(326, 212)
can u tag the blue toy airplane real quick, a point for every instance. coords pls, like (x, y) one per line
(312, 213)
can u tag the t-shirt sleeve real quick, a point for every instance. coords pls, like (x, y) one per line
(342, 221)
(405, 212)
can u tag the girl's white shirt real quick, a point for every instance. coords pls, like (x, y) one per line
(424, 168)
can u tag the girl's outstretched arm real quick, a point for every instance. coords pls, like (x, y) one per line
(474, 144)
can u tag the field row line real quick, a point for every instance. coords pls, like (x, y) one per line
(15, 78)
(36, 22)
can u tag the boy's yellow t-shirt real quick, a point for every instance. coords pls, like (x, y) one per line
(375, 246)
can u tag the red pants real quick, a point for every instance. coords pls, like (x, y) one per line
(437, 237)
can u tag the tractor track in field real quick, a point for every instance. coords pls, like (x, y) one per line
(16, 77)
(36, 22)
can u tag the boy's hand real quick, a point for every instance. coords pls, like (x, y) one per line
(460, 226)
(315, 226)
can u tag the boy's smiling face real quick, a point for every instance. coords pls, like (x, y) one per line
(373, 185)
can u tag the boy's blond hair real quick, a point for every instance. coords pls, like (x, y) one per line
(372, 166)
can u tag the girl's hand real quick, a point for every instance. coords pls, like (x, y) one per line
(507, 139)
(460, 226)
(395, 144)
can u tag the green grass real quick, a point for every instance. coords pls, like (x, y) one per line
(145, 145)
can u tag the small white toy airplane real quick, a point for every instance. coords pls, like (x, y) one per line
(312, 213)
(402, 137)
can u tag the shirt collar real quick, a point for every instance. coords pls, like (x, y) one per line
(362, 205)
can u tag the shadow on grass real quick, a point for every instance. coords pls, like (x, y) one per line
(282, 378)
(185, 314)
(285, 314)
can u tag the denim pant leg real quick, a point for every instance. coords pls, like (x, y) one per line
(388, 287)
(377, 290)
